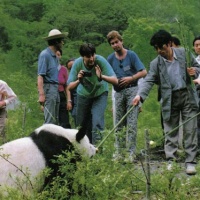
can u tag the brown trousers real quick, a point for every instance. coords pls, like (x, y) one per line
(3, 115)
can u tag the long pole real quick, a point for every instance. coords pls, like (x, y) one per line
(147, 161)
(115, 126)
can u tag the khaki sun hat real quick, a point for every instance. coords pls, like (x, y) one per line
(55, 33)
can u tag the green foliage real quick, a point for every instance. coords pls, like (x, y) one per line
(23, 26)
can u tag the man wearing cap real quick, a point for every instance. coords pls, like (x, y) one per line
(48, 68)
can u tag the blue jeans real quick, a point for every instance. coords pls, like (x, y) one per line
(51, 105)
(90, 113)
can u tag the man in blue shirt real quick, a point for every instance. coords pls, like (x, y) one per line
(128, 69)
(48, 65)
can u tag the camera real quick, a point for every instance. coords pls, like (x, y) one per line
(87, 74)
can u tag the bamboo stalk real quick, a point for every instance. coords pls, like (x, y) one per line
(147, 161)
(115, 126)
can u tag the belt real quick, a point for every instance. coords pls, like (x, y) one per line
(50, 83)
(129, 86)
(118, 89)
(180, 90)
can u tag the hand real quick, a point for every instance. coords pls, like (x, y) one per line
(197, 81)
(80, 75)
(98, 72)
(42, 99)
(42, 108)
(191, 71)
(136, 100)
(125, 81)
(69, 105)
(2, 104)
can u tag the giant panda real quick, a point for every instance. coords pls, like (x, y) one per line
(22, 160)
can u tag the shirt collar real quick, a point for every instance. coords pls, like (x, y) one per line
(174, 55)
(198, 59)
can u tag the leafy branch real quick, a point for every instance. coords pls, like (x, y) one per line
(5, 157)
(185, 36)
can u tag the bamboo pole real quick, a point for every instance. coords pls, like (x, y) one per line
(147, 161)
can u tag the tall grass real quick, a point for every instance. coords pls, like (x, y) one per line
(102, 177)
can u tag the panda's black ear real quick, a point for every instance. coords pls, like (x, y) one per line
(81, 133)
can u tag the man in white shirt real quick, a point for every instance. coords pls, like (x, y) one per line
(7, 96)
(196, 45)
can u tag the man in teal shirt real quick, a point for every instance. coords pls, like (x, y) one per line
(91, 74)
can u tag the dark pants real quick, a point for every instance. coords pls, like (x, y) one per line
(63, 112)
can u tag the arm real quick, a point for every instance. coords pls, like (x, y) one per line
(8, 96)
(69, 99)
(125, 81)
(146, 85)
(110, 79)
(139, 75)
(40, 84)
(197, 81)
(73, 84)
(194, 70)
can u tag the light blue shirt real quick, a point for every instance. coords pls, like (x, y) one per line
(129, 66)
(175, 73)
(48, 66)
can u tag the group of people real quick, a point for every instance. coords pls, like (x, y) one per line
(88, 80)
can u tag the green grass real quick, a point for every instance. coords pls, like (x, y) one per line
(103, 178)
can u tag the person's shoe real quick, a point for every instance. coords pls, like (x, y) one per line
(169, 165)
(118, 158)
(130, 159)
(190, 169)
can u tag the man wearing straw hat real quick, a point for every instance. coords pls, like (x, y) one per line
(47, 82)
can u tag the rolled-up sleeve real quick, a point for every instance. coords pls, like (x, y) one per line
(6, 93)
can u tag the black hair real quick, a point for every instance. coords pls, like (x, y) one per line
(176, 41)
(71, 59)
(160, 38)
(60, 50)
(87, 49)
(55, 41)
(196, 38)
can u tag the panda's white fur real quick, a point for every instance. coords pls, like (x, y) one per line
(22, 158)
(84, 146)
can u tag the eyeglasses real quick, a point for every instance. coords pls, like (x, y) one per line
(156, 47)
(120, 63)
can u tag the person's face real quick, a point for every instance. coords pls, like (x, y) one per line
(116, 44)
(89, 61)
(60, 44)
(58, 55)
(173, 45)
(163, 50)
(69, 65)
(197, 47)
